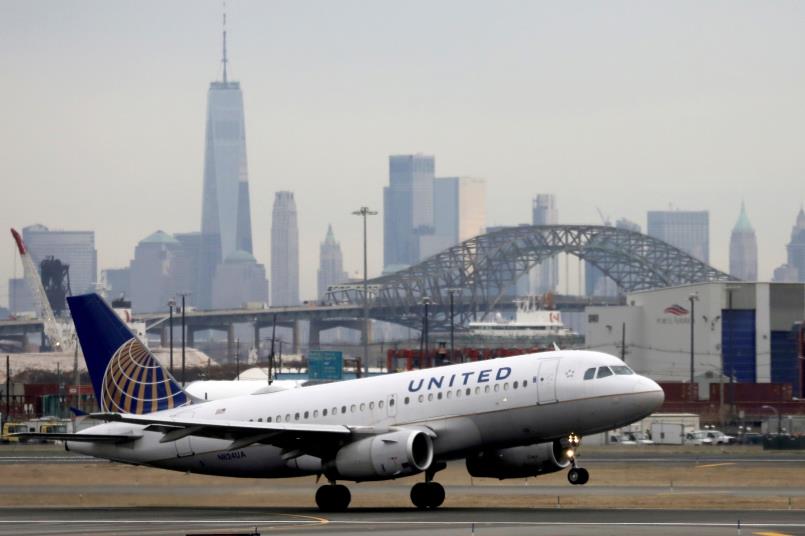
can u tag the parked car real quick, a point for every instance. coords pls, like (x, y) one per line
(708, 437)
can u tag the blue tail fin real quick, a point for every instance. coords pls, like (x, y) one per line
(126, 377)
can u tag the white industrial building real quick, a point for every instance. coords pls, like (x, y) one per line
(748, 331)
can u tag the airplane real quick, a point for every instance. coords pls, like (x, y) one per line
(508, 418)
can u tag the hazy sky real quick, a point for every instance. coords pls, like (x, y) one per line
(626, 106)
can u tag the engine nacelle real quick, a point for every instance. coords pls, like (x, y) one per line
(519, 462)
(383, 456)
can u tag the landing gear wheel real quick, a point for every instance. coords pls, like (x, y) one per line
(578, 476)
(427, 495)
(333, 498)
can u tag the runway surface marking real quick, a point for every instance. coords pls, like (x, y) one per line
(714, 465)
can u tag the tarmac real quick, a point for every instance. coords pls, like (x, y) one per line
(105, 499)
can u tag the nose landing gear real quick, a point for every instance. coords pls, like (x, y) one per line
(577, 476)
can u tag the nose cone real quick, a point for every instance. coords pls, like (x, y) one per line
(649, 394)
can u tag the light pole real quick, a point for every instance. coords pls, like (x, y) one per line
(363, 212)
(452, 292)
(183, 295)
(425, 335)
(171, 305)
(693, 297)
(779, 419)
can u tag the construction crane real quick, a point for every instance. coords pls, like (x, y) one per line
(604, 219)
(53, 330)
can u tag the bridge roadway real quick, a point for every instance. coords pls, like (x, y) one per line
(320, 316)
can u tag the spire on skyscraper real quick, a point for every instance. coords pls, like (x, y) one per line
(223, 58)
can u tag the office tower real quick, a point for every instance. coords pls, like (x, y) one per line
(796, 248)
(686, 230)
(20, 299)
(595, 282)
(459, 213)
(116, 283)
(407, 209)
(238, 282)
(331, 264)
(226, 215)
(284, 251)
(545, 277)
(73, 248)
(152, 273)
(743, 249)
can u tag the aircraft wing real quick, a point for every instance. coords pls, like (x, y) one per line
(296, 439)
(84, 438)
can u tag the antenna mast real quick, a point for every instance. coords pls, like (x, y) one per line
(223, 58)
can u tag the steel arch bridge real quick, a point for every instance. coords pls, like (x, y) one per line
(479, 270)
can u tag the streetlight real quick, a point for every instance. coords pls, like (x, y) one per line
(425, 337)
(183, 295)
(452, 292)
(779, 419)
(171, 305)
(693, 297)
(363, 212)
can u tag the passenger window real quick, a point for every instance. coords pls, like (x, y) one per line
(279, 418)
(458, 393)
(486, 389)
(380, 404)
(603, 372)
(622, 370)
(515, 385)
(352, 408)
(421, 398)
(506, 386)
(449, 394)
(391, 402)
(439, 395)
(307, 414)
(324, 412)
(315, 413)
(589, 374)
(497, 387)
(525, 382)
(407, 400)
(260, 419)
(430, 397)
(372, 403)
(468, 392)
(287, 417)
(343, 409)
(363, 406)
(296, 417)
(335, 411)
(268, 419)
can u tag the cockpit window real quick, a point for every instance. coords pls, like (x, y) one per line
(589, 374)
(603, 372)
(622, 370)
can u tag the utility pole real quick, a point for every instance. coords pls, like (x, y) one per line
(693, 297)
(425, 334)
(452, 292)
(237, 359)
(623, 342)
(183, 295)
(171, 305)
(363, 212)
(8, 387)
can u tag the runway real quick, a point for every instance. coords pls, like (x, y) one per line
(403, 521)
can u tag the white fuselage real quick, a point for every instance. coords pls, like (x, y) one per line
(468, 407)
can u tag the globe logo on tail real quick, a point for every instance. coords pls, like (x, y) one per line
(135, 382)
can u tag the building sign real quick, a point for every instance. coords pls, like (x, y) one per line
(674, 314)
(325, 365)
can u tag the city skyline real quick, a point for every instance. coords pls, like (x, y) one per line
(687, 122)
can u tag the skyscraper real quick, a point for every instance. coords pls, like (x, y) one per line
(225, 217)
(595, 282)
(459, 213)
(687, 230)
(74, 248)
(152, 272)
(407, 209)
(743, 249)
(331, 263)
(545, 277)
(796, 247)
(284, 251)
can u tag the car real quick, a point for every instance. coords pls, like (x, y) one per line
(708, 437)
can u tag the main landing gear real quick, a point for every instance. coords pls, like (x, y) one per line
(333, 497)
(428, 495)
(577, 476)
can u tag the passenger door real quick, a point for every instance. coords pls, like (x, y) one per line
(546, 380)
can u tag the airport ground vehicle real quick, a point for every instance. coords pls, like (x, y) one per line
(707, 437)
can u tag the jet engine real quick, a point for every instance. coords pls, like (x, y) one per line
(519, 462)
(383, 456)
